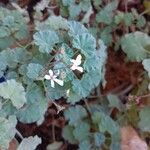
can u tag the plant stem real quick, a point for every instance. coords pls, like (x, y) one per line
(87, 105)
(19, 134)
(53, 131)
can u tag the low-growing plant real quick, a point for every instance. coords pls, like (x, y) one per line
(65, 57)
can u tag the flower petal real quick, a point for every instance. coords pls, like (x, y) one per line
(73, 61)
(47, 77)
(78, 59)
(73, 67)
(60, 82)
(52, 84)
(51, 72)
(79, 69)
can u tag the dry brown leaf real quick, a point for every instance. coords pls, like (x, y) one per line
(130, 140)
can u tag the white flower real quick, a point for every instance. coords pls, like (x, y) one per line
(76, 62)
(53, 79)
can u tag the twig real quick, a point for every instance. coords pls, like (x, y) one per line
(53, 131)
(59, 107)
(87, 105)
(125, 90)
(143, 96)
(144, 12)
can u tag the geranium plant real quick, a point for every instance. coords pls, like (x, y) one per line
(62, 58)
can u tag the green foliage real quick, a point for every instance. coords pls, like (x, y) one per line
(75, 28)
(11, 58)
(53, 23)
(54, 94)
(29, 143)
(86, 43)
(114, 102)
(73, 9)
(7, 130)
(85, 145)
(78, 113)
(12, 27)
(106, 14)
(99, 139)
(68, 134)
(144, 119)
(146, 64)
(45, 40)
(34, 70)
(14, 91)
(134, 45)
(82, 30)
(36, 105)
(81, 132)
(93, 132)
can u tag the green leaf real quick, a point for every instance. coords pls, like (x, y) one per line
(85, 145)
(41, 58)
(98, 60)
(105, 123)
(141, 21)
(106, 35)
(3, 62)
(99, 139)
(67, 134)
(85, 5)
(11, 57)
(75, 114)
(118, 17)
(7, 109)
(74, 11)
(88, 82)
(36, 105)
(134, 45)
(115, 145)
(14, 91)
(146, 64)
(106, 14)
(4, 32)
(29, 143)
(86, 43)
(13, 25)
(7, 130)
(82, 87)
(97, 2)
(34, 71)
(128, 19)
(67, 2)
(45, 40)
(73, 97)
(54, 93)
(144, 122)
(114, 101)
(4, 42)
(81, 132)
(76, 28)
(53, 23)
(12, 75)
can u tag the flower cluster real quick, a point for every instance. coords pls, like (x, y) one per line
(74, 66)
